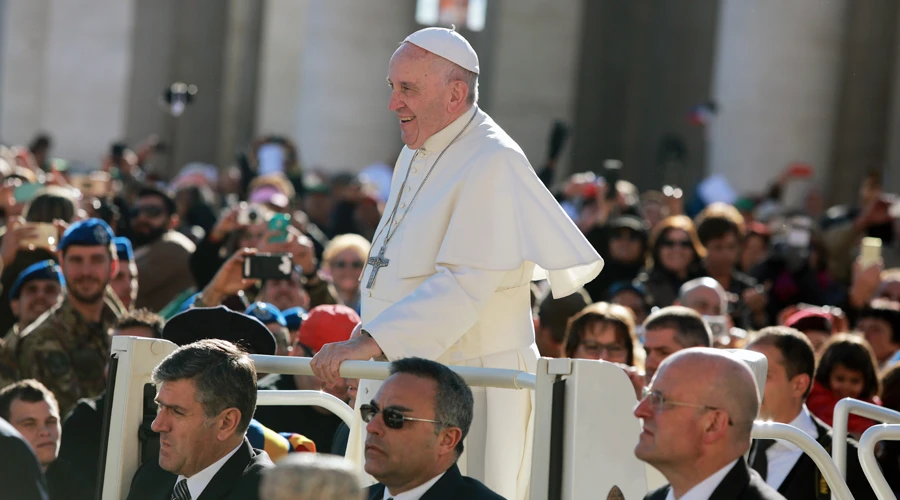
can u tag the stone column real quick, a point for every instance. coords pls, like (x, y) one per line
(776, 82)
(281, 55)
(344, 121)
(66, 68)
(536, 46)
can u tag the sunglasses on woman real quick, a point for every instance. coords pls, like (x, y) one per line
(346, 264)
(393, 418)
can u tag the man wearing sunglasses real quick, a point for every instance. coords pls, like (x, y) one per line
(697, 434)
(162, 254)
(416, 425)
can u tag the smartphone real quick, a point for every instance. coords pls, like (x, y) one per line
(267, 266)
(612, 169)
(870, 252)
(45, 236)
(26, 192)
(280, 223)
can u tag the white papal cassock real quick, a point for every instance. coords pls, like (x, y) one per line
(456, 289)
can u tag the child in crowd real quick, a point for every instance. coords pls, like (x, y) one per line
(846, 370)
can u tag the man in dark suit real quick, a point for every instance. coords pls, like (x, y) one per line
(20, 473)
(697, 434)
(416, 425)
(206, 393)
(781, 464)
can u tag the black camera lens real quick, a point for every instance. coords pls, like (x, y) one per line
(253, 215)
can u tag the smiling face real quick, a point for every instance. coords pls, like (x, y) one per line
(421, 96)
(34, 299)
(88, 269)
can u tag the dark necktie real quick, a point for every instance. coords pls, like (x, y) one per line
(181, 491)
(760, 462)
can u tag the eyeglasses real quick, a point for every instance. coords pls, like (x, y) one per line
(657, 402)
(596, 348)
(676, 243)
(346, 264)
(393, 418)
(149, 211)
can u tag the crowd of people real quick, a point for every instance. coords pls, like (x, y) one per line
(121, 250)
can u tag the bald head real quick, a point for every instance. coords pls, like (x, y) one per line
(704, 295)
(731, 387)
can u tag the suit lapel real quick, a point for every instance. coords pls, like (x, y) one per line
(734, 483)
(445, 488)
(224, 480)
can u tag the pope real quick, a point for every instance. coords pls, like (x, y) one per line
(467, 226)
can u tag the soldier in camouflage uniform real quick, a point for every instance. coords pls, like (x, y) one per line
(67, 348)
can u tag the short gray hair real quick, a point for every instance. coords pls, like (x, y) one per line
(690, 328)
(705, 282)
(308, 476)
(456, 72)
(453, 404)
(223, 375)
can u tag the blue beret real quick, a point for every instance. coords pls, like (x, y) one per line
(294, 317)
(265, 312)
(44, 270)
(221, 323)
(123, 248)
(89, 232)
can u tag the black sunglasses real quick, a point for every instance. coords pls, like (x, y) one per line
(676, 243)
(344, 264)
(148, 211)
(393, 418)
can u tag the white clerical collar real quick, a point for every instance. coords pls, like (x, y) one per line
(442, 138)
(705, 489)
(802, 421)
(415, 493)
(199, 481)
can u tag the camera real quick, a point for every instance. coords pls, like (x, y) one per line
(268, 266)
(250, 215)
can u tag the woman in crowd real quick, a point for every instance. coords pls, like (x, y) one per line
(676, 257)
(602, 331)
(846, 370)
(343, 260)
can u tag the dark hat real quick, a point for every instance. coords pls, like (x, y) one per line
(89, 232)
(294, 317)
(44, 270)
(265, 312)
(636, 224)
(123, 248)
(555, 313)
(627, 286)
(220, 323)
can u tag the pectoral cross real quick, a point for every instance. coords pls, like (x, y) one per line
(377, 263)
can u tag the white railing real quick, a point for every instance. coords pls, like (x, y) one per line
(867, 444)
(773, 430)
(375, 370)
(306, 398)
(842, 412)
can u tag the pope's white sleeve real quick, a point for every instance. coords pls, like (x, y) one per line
(436, 314)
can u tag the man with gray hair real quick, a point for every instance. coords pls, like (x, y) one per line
(416, 425)
(206, 395)
(307, 476)
(704, 295)
(697, 434)
(670, 330)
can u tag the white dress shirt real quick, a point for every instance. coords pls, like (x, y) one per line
(783, 455)
(199, 481)
(705, 488)
(415, 493)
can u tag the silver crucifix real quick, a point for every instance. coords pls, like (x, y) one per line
(377, 263)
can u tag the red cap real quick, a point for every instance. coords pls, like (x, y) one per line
(326, 324)
(811, 319)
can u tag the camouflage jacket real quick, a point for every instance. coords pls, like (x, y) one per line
(67, 353)
(9, 366)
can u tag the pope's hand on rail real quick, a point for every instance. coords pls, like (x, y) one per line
(326, 364)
